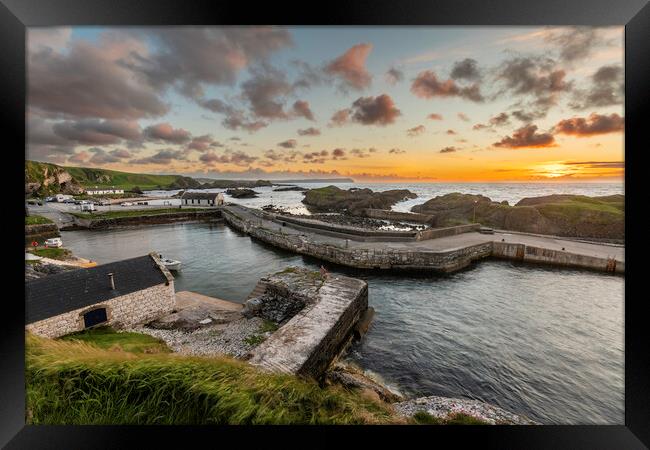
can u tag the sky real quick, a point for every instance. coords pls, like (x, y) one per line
(377, 104)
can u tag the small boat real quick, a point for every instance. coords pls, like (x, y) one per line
(171, 264)
(54, 242)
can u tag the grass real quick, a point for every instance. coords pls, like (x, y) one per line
(36, 220)
(268, 325)
(107, 338)
(52, 253)
(255, 339)
(134, 213)
(69, 381)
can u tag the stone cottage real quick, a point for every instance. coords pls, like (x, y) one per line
(202, 199)
(119, 294)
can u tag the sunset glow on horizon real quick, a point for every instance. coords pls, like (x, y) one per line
(376, 104)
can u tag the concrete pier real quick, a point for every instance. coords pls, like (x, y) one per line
(308, 342)
(443, 254)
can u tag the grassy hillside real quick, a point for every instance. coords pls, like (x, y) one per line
(98, 381)
(88, 177)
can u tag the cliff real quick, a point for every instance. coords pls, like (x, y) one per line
(561, 215)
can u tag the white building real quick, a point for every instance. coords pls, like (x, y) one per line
(104, 191)
(202, 199)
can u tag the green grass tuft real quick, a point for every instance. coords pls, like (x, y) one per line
(37, 220)
(107, 338)
(73, 382)
(53, 253)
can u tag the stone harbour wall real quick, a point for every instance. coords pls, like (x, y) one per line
(420, 259)
(97, 222)
(314, 337)
(124, 311)
(435, 233)
(448, 261)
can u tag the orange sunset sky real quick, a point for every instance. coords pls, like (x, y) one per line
(372, 103)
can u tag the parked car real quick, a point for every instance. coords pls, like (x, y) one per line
(54, 242)
(126, 204)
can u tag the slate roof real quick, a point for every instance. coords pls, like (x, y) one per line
(66, 291)
(200, 195)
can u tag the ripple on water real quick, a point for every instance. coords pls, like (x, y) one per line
(537, 341)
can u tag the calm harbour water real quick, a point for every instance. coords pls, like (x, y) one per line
(541, 342)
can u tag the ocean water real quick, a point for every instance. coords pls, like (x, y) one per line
(542, 342)
(511, 192)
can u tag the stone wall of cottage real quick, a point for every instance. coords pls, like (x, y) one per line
(124, 311)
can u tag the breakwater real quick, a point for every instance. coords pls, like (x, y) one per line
(444, 254)
(99, 222)
(40, 232)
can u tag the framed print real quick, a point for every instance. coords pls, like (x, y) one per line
(381, 219)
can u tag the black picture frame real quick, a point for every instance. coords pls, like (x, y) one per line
(16, 15)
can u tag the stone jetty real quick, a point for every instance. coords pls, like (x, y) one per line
(317, 312)
(441, 252)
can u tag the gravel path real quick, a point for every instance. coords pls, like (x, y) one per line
(441, 407)
(211, 341)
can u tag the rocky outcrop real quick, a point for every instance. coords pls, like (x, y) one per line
(241, 193)
(44, 179)
(290, 188)
(560, 215)
(354, 200)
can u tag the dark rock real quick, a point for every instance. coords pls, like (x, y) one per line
(354, 200)
(290, 188)
(241, 193)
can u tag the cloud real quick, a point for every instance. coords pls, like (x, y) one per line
(380, 110)
(265, 92)
(315, 157)
(97, 132)
(363, 152)
(537, 78)
(463, 117)
(575, 43)
(434, 116)
(451, 132)
(593, 125)
(165, 133)
(309, 132)
(237, 120)
(190, 57)
(606, 89)
(396, 151)
(87, 81)
(163, 157)
(203, 143)
(79, 158)
(350, 67)
(394, 76)
(301, 108)
(495, 121)
(527, 136)
(101, 156)
(448, 150)
(290, 143)
(427, 85)
(598, 164)
(338, 153)
(467, 69)
(238, 158)
(524, 116)
(216, 105)
(416, 131)
(340, 117)
(54, 38)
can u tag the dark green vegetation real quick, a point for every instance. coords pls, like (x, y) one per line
(37, 220)
(107, 338)
(104, 178)
(353, 201)
(72, 382)
(52, 253)
(424, 418)
(135, 213)
(561, 215)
